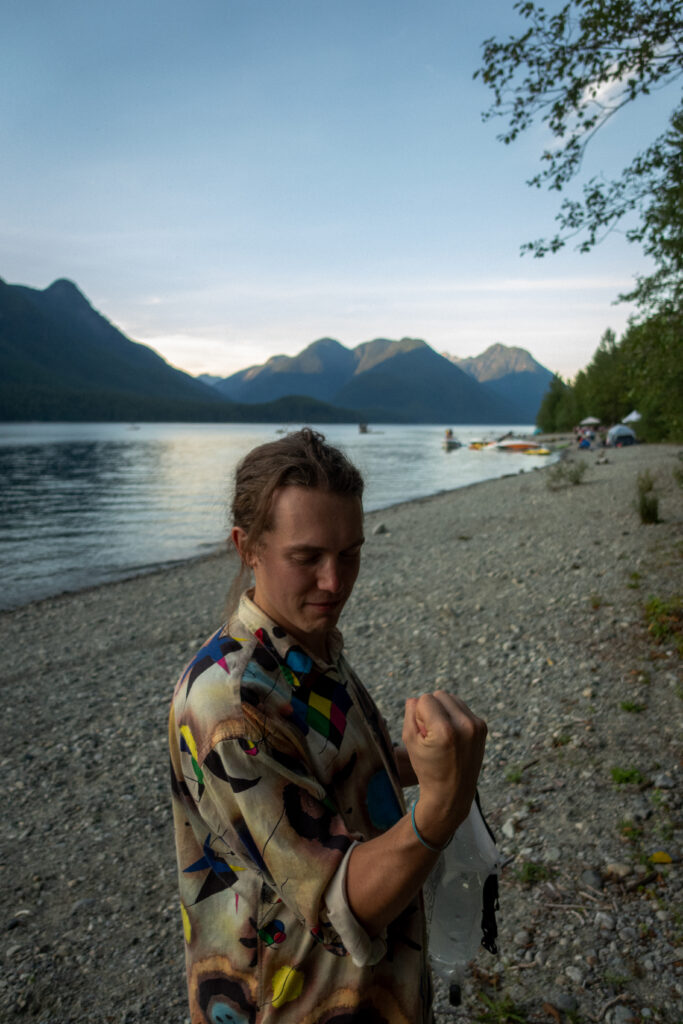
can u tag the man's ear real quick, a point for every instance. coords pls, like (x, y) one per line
(239, 539)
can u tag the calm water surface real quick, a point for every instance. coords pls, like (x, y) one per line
(85, 503)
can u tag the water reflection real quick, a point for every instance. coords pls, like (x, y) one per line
(85, 503)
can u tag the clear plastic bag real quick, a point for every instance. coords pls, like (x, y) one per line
(461, 895)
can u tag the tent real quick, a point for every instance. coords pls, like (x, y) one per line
(590, 421)
(620, 435)
(632, 417)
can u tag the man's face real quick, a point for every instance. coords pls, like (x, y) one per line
(306, 565)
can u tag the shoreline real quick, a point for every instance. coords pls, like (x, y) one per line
(528, 603)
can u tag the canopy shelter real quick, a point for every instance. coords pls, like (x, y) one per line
(632, 417)
(620, 434)
(590, 421)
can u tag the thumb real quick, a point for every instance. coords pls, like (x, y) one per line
(413, 726)
(430, 717)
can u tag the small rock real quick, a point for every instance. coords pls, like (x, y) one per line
(618, 870)
(563, 1001)
(508, 829)
(663, 781)
(591, 878)
(621, 1015)
(553, 854)
(604, 921)
(521, 938)
(81, 905)
(575, 974)
(380, 528)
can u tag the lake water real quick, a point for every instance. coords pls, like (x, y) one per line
(86, 503)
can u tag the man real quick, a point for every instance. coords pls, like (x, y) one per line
(300, 870)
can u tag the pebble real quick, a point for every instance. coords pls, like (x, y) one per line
(604, 921)
(575, 974)
(563, 1001)
(592, 878)
(508, 828)
(618, 870)
(621, 1014)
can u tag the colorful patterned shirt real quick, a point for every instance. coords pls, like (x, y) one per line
(280, 764)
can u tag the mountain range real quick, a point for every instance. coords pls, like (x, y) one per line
(62, 360)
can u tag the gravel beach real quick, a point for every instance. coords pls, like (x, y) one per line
(528, 602)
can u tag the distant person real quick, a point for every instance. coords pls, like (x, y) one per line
(300, 869)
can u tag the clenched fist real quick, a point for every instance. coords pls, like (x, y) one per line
(445, 742)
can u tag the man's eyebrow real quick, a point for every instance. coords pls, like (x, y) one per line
(311, 548)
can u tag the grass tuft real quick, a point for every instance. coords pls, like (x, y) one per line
(632, 706)
(531, 873)
(500, 1011)
(648, 502)
(664, 620)
(627, 776)
(566, 473)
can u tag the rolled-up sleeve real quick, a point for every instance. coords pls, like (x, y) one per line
(363, 950)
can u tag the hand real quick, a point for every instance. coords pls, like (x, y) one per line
(445, 742)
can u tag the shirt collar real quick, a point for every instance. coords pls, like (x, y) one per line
(254, 618)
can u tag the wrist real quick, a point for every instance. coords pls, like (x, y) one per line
(432, 826)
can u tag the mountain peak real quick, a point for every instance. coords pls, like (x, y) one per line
(326, 343)
(497, 361)
(63, 286)
(66, 293)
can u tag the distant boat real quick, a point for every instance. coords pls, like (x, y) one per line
(516, 444)
(450, 443)
(362, 428)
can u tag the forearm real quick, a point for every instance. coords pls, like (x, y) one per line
(385, 873)
(445, 743)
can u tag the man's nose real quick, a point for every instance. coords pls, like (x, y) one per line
(329, 577)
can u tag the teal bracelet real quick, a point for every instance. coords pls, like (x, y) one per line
(434, 849)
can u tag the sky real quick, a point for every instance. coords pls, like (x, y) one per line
(226, 180)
